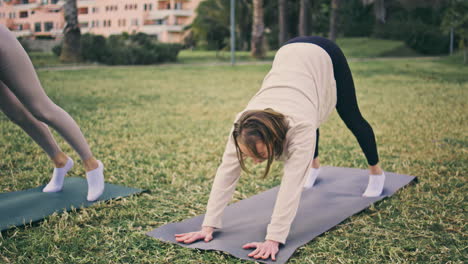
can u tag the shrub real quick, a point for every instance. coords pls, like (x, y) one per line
(126, 49)
(57, 49)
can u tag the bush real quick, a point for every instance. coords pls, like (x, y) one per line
(24, 44)
(126, 49)
(428, 40)
(356, 19)
(419, 28)
(57, 49)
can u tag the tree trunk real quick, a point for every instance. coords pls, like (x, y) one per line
(71, 47)
(465, 55)
(258, 29)
(304, 14)
(283, 22)
(333, 20)
(379, 10)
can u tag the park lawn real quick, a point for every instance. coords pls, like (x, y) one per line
(352, 47)
(164, 128)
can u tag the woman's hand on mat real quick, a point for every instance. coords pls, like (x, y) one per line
(263, 249)
(206, 234)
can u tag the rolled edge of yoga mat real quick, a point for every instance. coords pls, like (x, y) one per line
(32, 205)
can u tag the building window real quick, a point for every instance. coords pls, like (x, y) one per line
(48, 26)
(37, 27)
(23, 14)
(44, 2)
(82, 11)
(160, 21)
(84, 24)
(135, 22)
(168, 6)
(95, 9)
(148, 7)
(178, 5)
(54, 1)
(24, 2)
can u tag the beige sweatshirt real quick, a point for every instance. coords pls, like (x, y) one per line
(301, 86)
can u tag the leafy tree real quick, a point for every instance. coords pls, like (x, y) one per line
(211, 27)
(456, 18)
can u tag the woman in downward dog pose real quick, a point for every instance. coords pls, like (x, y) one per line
(309, 78)
(24, 102)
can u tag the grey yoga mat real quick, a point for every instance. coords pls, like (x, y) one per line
(27, 206)
(336, 195)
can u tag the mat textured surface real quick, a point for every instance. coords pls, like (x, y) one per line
(27, 206)
(336, 195)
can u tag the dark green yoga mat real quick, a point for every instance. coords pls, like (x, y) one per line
(27, 206)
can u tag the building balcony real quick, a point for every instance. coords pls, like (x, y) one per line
(160, 14)
(85, 2)
(155, 29)
(24, 7)
(22, 33)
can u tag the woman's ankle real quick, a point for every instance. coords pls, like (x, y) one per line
(60, 160)
(375, 170)
(316, 163)
(90, 164)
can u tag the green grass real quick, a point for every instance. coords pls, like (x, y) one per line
(352, 47)
(374, 48)
(43, 59)
(164, 129)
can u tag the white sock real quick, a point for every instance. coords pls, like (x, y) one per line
(95, 180)
(375, 185)
(56, 183)
(313, 173)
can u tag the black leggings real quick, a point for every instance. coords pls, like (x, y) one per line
(346, 104)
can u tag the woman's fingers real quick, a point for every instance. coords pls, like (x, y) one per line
(209, 237)
(273, 255)
(260, 253)
(183, 237)
(191, 237)
(194, 237)
(250, 245)
(267, 253)
(254, 252)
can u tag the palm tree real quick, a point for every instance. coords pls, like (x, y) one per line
(258, 29)
(71, 48)
(283, 22)
(333, 19)
(304, 14)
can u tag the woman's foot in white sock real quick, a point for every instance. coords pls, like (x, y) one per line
(375, 185)
(56, 183)
(311, 178)
(95, 180)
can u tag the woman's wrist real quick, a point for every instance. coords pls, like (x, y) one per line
(273, 241)
(208, 228)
